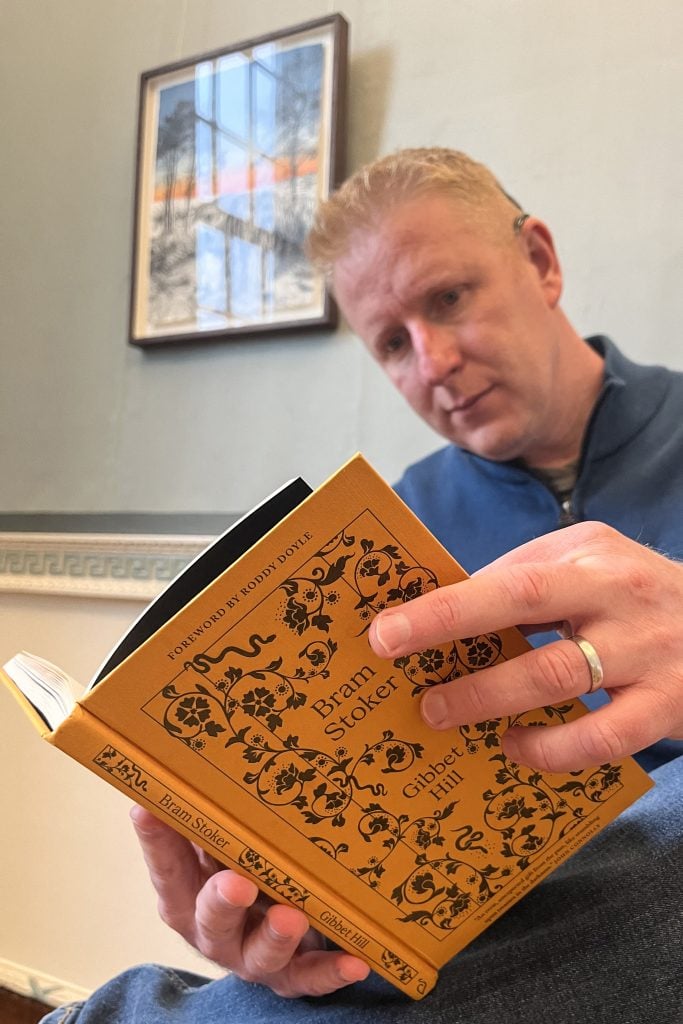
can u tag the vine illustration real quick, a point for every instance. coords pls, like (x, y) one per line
(305, 605)
(452, 661)
(524, 810)
(113, 762)
(601, 783)
(373, 574)
(445, 890)
(379, 577)
(398, 967)
(488, 733)
(445, 886)
(276, 880)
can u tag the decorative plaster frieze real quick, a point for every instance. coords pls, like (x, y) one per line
(127, 566)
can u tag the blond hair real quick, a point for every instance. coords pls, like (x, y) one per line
(407, 174)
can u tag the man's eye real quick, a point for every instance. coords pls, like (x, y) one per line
(450, 297)
(393, 344)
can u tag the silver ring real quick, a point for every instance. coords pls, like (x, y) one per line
(593, 660)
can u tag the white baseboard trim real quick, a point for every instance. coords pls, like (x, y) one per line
(27, 981)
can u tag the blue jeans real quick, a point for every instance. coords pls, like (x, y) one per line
(599, 942)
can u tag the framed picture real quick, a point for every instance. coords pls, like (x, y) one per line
(235, 150)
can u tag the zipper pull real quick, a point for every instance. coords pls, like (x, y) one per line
(567, 513)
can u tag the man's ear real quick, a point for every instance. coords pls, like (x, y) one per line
(538, 243)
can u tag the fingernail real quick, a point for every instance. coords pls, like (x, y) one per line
(434, 708)
(391, 631)
(351, 969)
(511, 747)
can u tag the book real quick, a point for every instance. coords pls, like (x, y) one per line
(246, 708)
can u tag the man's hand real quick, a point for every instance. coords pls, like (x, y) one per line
(223, 916)
(588, 579)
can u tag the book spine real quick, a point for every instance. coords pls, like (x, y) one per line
(153, 785)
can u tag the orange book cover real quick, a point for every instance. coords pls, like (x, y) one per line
(258, 721)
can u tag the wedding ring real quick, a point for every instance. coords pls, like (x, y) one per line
(591, 656)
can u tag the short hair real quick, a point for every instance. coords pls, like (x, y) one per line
(407, 174)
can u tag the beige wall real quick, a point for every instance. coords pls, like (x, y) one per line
(75, 903)
(575, 105)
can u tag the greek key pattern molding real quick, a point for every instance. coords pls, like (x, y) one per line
(128, 566)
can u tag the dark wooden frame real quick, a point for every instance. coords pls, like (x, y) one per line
(333, 32)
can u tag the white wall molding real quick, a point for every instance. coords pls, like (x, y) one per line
(27, 981)
(127, 566)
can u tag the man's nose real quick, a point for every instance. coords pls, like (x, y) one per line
(437, 351)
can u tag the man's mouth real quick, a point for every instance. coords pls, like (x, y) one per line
(465, 404)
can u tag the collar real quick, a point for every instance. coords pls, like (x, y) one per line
(631, 395)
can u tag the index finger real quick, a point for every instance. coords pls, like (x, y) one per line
(532, 593)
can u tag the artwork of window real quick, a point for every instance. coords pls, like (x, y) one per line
(236, 149)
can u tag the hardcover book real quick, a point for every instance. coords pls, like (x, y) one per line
(246, 708)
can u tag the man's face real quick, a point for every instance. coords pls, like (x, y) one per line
(464, 324)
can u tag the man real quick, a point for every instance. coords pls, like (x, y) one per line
(455, 291)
